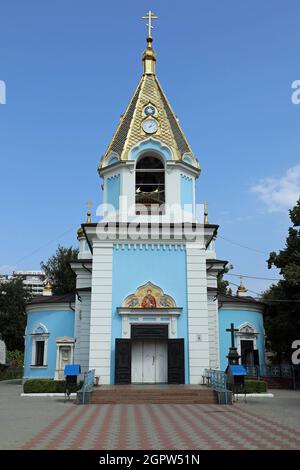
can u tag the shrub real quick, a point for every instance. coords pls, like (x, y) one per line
(15, 358)
(10, 373)
(255, 386)
(48, 386)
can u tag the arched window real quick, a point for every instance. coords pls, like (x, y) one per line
(39, 350)
(150, 181)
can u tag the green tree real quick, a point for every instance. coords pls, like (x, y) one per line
(282, 320)
(13, 298)
(58, 271)
(223, 286)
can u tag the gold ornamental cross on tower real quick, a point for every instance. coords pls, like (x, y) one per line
(150, 16)
(89, 205)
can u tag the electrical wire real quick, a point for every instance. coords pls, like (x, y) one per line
(253, 277)
(243, 246)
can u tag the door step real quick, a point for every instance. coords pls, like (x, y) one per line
(156, 394)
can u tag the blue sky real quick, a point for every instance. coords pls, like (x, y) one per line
(70, 68)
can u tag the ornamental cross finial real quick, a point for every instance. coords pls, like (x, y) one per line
(89, 205)
(150, 16)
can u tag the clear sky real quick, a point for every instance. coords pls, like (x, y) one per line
(70, 68)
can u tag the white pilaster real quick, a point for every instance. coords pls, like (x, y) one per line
(213, 328)
(82, 331)
(197, 310)
(101, 310)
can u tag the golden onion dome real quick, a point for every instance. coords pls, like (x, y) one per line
(80, 233)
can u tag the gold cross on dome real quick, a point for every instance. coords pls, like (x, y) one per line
(89, 205)
(150, 16)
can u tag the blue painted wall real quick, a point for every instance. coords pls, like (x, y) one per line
(58, 323)
(165, 268)
(238, 317)
(113, 191)
(187, 193)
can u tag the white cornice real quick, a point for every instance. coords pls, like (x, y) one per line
(241, 306)
(35, 308)
(153, 312)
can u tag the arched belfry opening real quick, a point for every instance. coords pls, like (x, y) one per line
(150, 181)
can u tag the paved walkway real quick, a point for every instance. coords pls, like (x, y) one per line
(41, 423)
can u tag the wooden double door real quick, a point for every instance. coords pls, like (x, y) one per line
(149, 361)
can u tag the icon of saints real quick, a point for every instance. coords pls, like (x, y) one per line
(149, 300)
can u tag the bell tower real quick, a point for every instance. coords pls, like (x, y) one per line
(149, 167)
(150, 241)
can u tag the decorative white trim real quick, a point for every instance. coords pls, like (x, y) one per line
(39, 337)
(62, 342)
(38, 367)
(72, 395)
(190, 159)
(65, 339)
(152, 312)
(111, 156)
(49, 307)
(255, 395)
(38, 326)
(241, 306)
(139, 318)
(141, 147)
(250, 335)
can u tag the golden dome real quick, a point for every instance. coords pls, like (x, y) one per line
(242, 288)
(80, 233)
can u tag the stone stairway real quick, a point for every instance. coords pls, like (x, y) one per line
(136, 394)
(278, 382)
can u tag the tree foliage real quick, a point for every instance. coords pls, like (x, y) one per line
(13, 298)
(223, 286)
(282, 320)
(58, 271)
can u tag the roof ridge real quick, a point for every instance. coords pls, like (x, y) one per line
(129, 131)
(167, 102)
(139, 95)
(109, 148)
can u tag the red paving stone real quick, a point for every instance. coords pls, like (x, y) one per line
(163, 427)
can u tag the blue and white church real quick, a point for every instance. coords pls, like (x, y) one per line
(146, 307)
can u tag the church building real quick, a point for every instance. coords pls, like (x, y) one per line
(146, 307)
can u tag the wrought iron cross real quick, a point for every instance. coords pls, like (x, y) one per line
(150, 16)
(232, 331)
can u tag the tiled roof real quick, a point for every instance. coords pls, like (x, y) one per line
(53, 299)
(129, 131)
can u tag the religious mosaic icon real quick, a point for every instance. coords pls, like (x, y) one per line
(149, 300)
(149, 296)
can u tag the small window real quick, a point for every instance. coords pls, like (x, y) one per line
(39, 353)
(150, 182)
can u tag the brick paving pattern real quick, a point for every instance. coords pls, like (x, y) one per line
(146, 426)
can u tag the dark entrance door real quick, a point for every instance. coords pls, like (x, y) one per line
(249, 354)
(175, 356)
(176, 361)
(123, 361)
